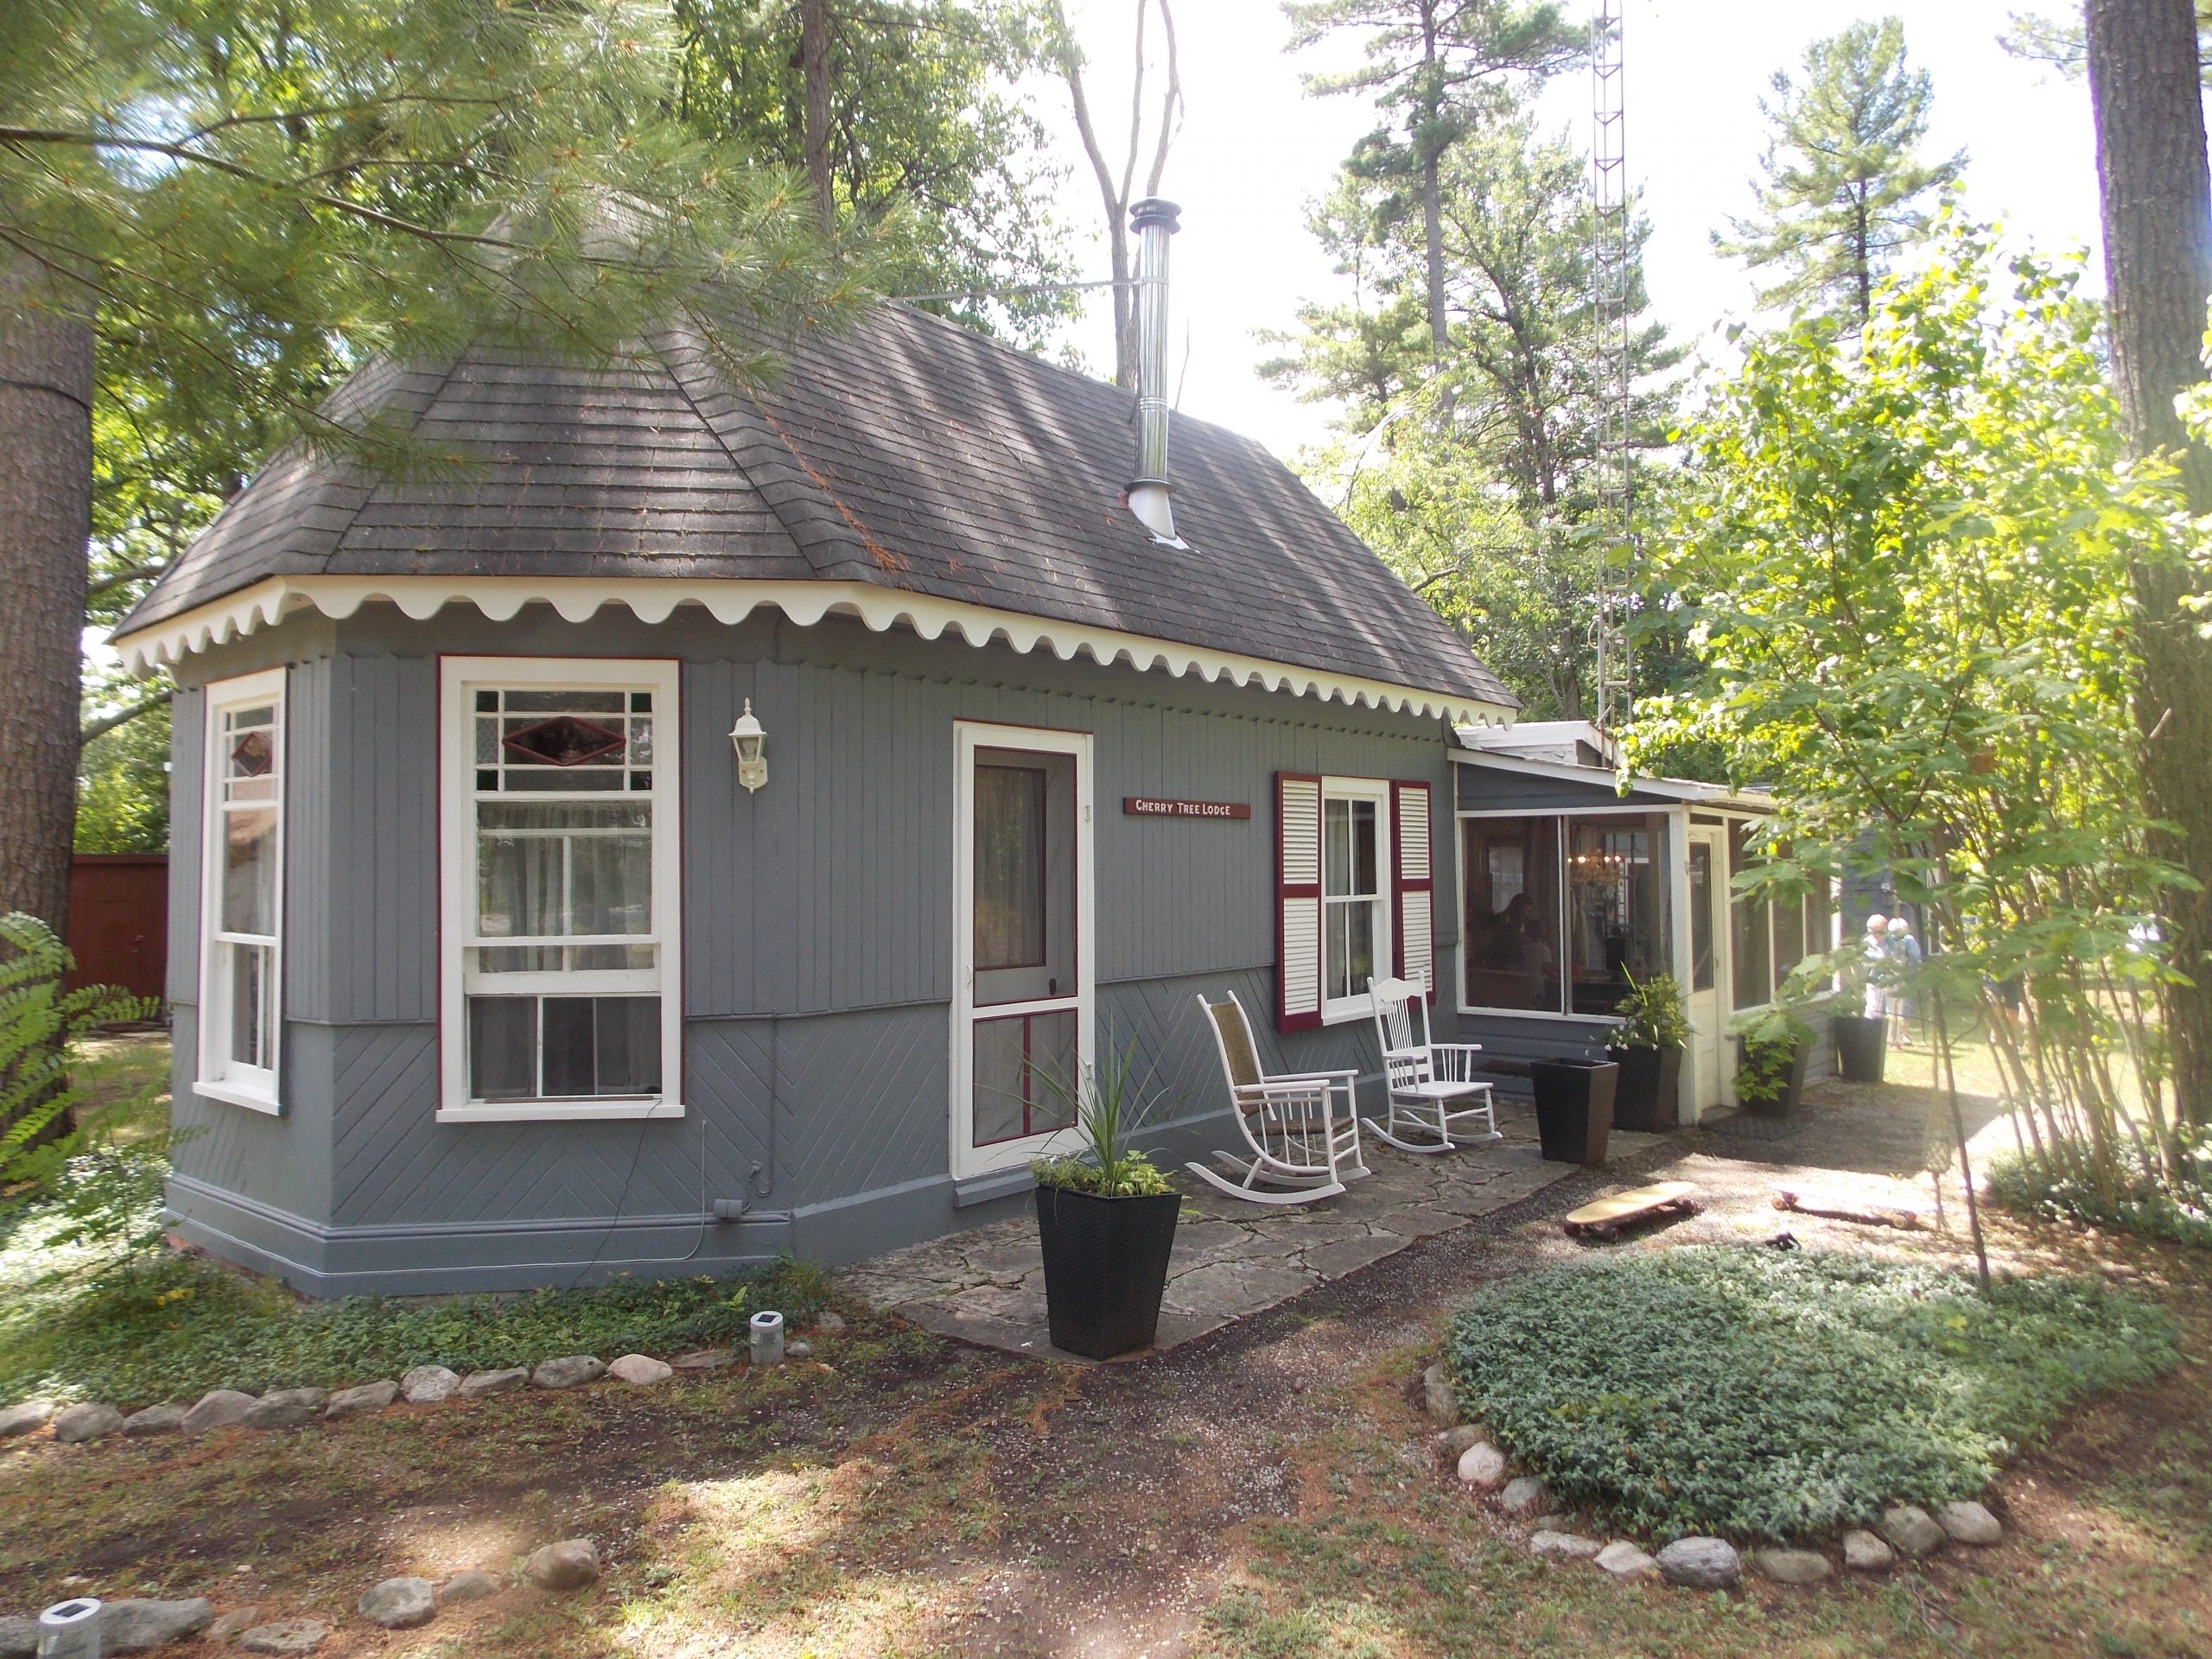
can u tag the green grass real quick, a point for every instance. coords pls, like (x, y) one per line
(1759, 1393)
(175, 1327)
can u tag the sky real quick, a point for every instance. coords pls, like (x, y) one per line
(1254, 149)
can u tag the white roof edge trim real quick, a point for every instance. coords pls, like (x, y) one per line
(653, 600)
(1674, 789)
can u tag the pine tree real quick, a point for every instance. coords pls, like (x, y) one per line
(1439, 69)
(1846, 190)
(208, 207)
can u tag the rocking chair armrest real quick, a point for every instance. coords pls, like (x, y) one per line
(1313, 1086)
(1454, 1061)
(1352, 1071)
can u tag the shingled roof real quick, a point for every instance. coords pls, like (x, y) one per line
(904, 452)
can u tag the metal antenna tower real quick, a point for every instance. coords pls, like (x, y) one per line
(1610, 275)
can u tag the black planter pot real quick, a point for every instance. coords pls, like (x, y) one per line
(1105, 1269)
(1646, 1098)
(1862, 1046)
(1793, 1094)
(1574, 1108)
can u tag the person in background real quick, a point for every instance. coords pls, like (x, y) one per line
(1874, 972)
(1904, 957)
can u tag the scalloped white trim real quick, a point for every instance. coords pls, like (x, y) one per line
(654, 598)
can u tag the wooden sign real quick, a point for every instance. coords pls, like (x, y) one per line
(1151, 806)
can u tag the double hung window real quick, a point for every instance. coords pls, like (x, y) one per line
(561, 893)
(1355, 893)
(241, 1012)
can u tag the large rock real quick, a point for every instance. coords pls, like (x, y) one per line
(87, 1421)
(1963, 1523)
(1864, 1552)
(472, 1585)
(231, 1624)
(399, 1604)
(1625, 1561)
(155, 1419)
(369, 1396)
(218, 1408)
(1437, 1397)
(18, 1638)
(1524, 1494)
(479, 1383)
(1700, 1563)
(1564, 1547)
(285, 1635)
(569, 1371)
(1482, 1466)
(285, 1408)
(1452, 1443)
(26, 1415)
(569, 1565)
(137, 1623)
(1792, 1566)
(428, 1384)
(1910, 1530)
(641, 1369)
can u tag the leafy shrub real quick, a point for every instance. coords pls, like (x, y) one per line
(1652, 1015)
(1109, 1103)
(1763, 1077)
(183, 1325)
(1770, 1394)
(2144, 1199)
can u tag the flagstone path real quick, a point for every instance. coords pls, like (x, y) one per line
(1233, 1259)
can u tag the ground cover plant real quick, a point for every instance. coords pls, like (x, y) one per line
(1759, 1393)
(2172, 1203)
(175, 1325)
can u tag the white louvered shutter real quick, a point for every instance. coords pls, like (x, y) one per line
(1297, 901)
(1417, 887)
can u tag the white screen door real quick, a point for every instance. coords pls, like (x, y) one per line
(1707, 884)
(1023, 942)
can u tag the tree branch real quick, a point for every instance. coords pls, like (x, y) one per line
(124, 716)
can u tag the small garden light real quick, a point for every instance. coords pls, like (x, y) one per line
(751, 743)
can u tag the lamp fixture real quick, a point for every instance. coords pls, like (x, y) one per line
(751, 743)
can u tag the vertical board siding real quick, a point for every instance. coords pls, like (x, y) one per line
(817, 974)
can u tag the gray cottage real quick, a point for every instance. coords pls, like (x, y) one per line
(687, 838)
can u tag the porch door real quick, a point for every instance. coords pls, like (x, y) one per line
(1023, 930)
(1707, 896)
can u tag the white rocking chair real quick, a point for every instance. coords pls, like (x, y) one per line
(1302, 1129)
(1431, 1085)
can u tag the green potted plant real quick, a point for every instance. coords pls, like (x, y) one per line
(1647, 1047)
(1776, 1046)
(1105, 1217)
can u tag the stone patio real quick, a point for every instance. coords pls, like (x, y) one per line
(1231, 1258)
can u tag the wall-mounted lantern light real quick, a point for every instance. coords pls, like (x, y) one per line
(751, 744)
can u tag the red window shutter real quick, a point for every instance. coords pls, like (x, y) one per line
(1298, 900)
(1414, 886)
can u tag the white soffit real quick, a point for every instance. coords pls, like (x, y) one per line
(653, 600)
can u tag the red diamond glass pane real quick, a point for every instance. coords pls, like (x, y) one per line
(564, 741)
(251, 755)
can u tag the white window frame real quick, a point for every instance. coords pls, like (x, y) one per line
(256, 1087)
(460, 678)
(1360, 1005)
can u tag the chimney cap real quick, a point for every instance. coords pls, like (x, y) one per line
(1155, 210)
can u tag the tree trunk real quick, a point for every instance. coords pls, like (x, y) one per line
(814, 78)
(2151, 175)
(45, 433)
(1429, 115)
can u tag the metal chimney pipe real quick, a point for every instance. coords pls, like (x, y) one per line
(1154, 220)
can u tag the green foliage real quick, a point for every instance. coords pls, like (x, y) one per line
(40, 1024)
(1763, 1077)
(122, 782)
(1109, 1104)
(1905, 562)
(182, 1325)
(1652, 1013)
(933, 157)
(1845, 187)
(1478, 471)
(2145, 1198)
(1770, 1394)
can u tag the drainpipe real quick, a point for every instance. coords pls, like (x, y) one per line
(1154, 221)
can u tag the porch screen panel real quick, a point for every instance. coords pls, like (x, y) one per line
(1298, 899)
(1415, 942)
(1511, 942)
(1616, 908)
